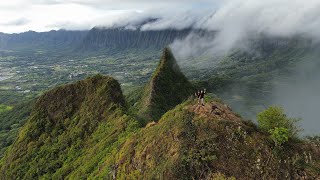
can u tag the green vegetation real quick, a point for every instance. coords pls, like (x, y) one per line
(4, 108)
(219, 176)
(279, 135)
(183, 145)
(276, 122)
(243, 80)
(63, 122)
(26, 74)
(10, 123)
(86, 130)
(167, 88)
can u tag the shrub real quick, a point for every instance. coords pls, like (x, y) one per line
(279, 135)
(274, 117)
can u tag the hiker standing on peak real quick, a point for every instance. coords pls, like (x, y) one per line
(201, 97)
(197, 94)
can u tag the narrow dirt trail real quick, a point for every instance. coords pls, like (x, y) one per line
(215, 110)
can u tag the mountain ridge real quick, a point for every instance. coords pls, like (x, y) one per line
(65, 118)
(96, 39)
(85, 130)
(167, 88)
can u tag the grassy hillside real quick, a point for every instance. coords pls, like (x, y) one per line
(166, 88)
(63, 122)
(191, 143)
(188, 142)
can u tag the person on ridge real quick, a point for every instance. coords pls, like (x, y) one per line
(201, 96)
(197, 94)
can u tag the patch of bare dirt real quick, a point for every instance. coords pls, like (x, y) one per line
(215, 110)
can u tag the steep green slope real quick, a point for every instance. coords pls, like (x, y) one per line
(167, 88)
(191, 143)
(187, 143)
(66, 124)
(10, 123)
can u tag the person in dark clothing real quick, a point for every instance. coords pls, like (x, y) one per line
(201, 96)
(197, 94)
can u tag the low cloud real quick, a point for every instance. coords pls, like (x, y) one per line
(236, 21)
(72, 14)
(16, 22)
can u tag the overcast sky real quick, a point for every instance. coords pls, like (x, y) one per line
(45, 15)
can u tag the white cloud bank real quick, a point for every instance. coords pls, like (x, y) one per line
(45, 15)
(235, 19)
(238, 20)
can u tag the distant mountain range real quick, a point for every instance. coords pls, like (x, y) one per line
(95, 39)
(52, 39)
(124, 38)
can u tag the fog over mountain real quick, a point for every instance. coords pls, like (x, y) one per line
(42, 15)
(240, 18)
(238, 22)
(300, 95)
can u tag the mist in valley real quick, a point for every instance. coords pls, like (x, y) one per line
(237, 25)
(300, 94)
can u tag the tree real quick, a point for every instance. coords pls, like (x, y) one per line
(276, 122)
